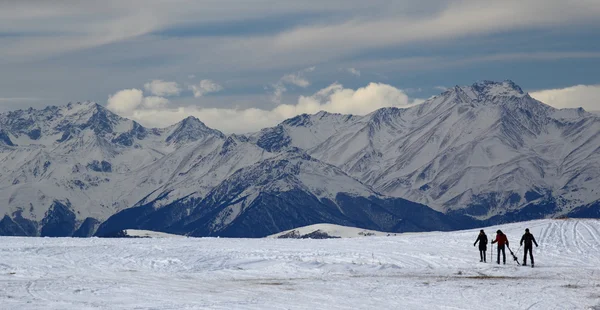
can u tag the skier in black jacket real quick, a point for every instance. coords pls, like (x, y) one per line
(483, 240)
(529, 241)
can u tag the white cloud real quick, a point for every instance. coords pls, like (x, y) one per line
(142, 29)
(162, 88)
(334, 98)
(296, 79)
(442, 88)
(338, 99)
(438, 21)
(353, 71)
(585, 96)
(127, 101)
(154, 102)
(278, 90)
(359, 25)
(205, 87)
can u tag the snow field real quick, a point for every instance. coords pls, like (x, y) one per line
(437, 270)
(333, 230)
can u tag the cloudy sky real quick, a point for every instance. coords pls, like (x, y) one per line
(240, 65)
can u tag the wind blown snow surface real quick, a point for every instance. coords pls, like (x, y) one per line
(437, 270)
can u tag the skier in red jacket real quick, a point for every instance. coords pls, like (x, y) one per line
(502, 241)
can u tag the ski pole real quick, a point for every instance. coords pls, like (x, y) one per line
(492, 253)
(517, 255)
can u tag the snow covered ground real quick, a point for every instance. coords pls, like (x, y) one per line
(437, 270)
(149, 234)
(332, 230)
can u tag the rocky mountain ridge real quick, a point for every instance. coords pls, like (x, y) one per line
(478, 154)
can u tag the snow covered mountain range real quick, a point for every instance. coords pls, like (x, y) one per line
(482, 150)
(479, 154)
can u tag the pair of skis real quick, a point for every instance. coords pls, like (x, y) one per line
(513, 255)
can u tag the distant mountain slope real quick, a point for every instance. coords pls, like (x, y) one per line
(87, 160)
(284, 192)
(482, 150)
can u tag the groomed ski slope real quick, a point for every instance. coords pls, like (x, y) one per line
(438, 270)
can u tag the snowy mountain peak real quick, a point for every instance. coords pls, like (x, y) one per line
(304, 120)
(385, 114)
(96, 117)
(190, 129)
(490, 90)
(85, 105)
(483, 92)
(192, 120)
(299, 121)
(58, 124)
(88, 110)
(506, 87)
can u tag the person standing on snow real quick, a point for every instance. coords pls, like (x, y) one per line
(502, 241)
(483, 241)
(529, 241)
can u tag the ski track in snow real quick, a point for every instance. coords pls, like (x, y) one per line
(436, 270)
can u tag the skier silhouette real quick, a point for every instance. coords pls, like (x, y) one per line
(529, 241)
(502, 241)
(483, 241)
